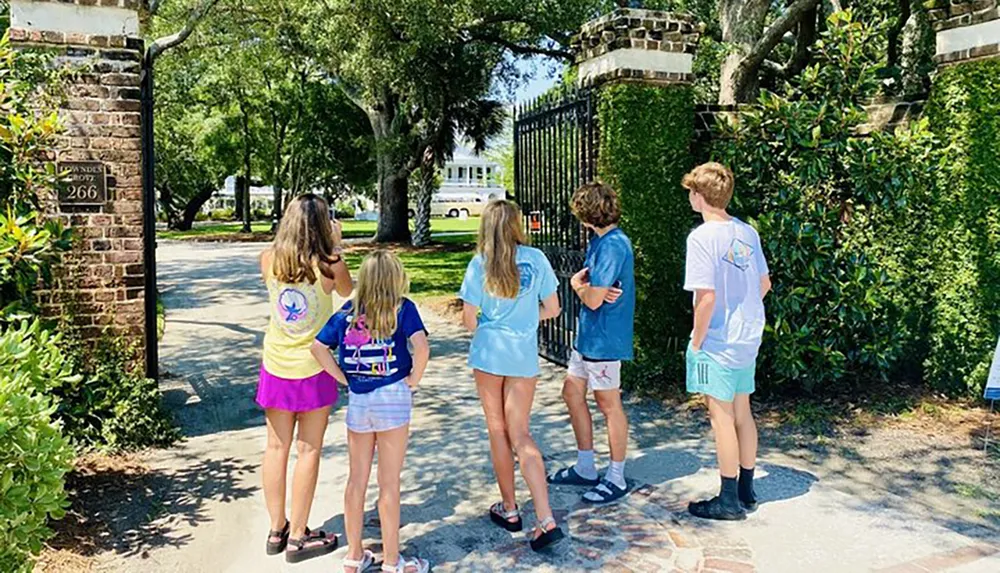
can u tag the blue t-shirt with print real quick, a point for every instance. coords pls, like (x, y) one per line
(368, 363)
(506, 340)
(605, 334)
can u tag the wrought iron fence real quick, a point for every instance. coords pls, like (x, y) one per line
(555, 151)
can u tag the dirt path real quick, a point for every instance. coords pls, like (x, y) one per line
(207, 511)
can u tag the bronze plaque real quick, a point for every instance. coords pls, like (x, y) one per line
(87, 184)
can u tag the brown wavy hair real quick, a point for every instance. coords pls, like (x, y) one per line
(304, 241)
(500, 233)
(596, 204)
(713, 181)
(382, 284)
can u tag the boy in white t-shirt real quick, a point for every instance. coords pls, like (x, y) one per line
(726, 270)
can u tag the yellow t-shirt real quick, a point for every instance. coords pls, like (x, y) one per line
(298, 312)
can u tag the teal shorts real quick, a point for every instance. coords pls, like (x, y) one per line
(706, 376)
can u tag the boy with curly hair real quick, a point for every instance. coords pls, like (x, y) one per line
(606, 288)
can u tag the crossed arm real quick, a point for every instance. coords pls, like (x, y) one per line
(592, 297)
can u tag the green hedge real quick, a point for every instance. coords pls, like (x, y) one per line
(964, 111)
(646, 136)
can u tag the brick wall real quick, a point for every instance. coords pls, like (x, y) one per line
(101, 281)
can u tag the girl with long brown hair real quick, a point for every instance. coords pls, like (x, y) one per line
(372, 336)
(508, 288)
(306, 278)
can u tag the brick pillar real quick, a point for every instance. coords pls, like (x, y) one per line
(964, 111)
(966, 29)
(101, 281)
(640, 61)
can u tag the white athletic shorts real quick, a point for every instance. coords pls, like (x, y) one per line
(380, 410)
(599, 375)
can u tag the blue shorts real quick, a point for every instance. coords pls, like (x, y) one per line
(706, 376)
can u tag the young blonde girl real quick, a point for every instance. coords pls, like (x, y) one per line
(508, 288)
(372, 336)
(304, 274)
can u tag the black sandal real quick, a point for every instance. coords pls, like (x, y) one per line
(275, 548)
(327, 545)
(501, 517)
(547, 538)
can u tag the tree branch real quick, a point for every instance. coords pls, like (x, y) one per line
(163, 44)
(523, 50)
(753, 60)
(154, 7)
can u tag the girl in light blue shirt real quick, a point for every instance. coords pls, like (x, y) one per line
(508, 289)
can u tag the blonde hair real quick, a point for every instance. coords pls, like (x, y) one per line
(382, 284)
(713, 181)
(304, 241)
(500, 232)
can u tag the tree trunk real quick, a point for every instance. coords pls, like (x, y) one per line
(279, 203)
(422, 216)
(194, 206)
(393, 175)
(247, 175)
(238, 198)
(894, 36)
(166, 199)
(246, 194)
(742, 24)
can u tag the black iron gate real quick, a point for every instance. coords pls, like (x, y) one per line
(555, 151)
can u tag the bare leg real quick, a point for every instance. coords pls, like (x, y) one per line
(518, 394)
(391, 451)
(280, 431)
(490, 389)
(726, 442)
(574, 393)
(361, 451)
(609, 402)
(746, 431)
(312, 427)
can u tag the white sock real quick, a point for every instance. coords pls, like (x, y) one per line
(616, 474)
(585, 465)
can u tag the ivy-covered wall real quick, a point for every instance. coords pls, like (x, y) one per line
(646, 137)
(964, 112)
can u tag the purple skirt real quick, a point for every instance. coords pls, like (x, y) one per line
(296, 394)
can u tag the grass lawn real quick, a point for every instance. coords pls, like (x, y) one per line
(433, 271)
(352, 229)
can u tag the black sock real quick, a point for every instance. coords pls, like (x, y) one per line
(729, 492)
(747, 494)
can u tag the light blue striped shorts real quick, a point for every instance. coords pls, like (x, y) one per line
(380, 410)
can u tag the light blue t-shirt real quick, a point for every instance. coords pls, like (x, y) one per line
(506, 340)
(726, 256)
(605, 334)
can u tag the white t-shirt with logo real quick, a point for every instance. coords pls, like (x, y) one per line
(726, 256)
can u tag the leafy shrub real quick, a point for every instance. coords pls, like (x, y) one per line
(28, 247)
(260, 215)
(113, 405)
(965, 318)
(222, 214)
(34, 456)
(816, 193)
(201, 216)
(646, 134)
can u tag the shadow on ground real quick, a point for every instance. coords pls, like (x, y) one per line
(116, 504)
